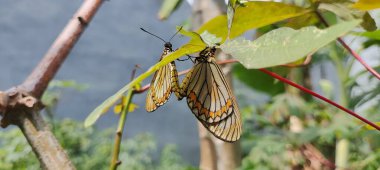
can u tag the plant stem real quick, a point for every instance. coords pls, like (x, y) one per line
(342, 144)
(278, 77)
(353, 53)
(115, 162)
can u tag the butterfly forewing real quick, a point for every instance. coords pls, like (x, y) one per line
(160, 86)
(208, 94)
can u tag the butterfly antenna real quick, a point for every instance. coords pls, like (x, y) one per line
(176, 33)
(153, 34)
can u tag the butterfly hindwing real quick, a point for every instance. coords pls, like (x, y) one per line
(229, 129)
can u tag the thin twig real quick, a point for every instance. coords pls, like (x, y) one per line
(278, 77)
(353, 53)
(115, 162)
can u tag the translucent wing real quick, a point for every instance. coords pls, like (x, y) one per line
(229, 129)
(208, 95)
(150, 106)
(211, 100)
(160, 86)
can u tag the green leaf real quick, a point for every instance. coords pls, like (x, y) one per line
(210, 39)
(257, 80)
(366, 4)
(338, 9)
(373, 35)
(196, 38)
(230, 15)
(308, 19)
(201, 39)
(231, 6)
(251, 15)
(368, 23)
(344, 11)
(167, 8)
(284, 45)
(104, 107)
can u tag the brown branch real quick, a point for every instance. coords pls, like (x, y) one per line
(20, 105)
(39, 79)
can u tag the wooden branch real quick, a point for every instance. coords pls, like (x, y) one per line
(39, 79)
(208, 159)
(20, 105)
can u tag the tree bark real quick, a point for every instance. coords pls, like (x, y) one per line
(22, 107)
(214, 153)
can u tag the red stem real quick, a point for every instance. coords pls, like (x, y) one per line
(353, 53)
(278, 77)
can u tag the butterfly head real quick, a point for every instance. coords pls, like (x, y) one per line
(168, 45)
(208, 52)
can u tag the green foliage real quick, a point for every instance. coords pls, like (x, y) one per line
(251, 15)
(372, 35)
(89, 149)
(276, 140)
(258, 80)
(366, 4)
(167, 8)
(170, 160)
(284, 45)
(15, 153)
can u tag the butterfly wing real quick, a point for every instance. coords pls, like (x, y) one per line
(211, 100)
(228, 129)
(209, 95)
(160, 86)
(150, 106)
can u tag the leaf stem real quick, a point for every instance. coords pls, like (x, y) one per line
(353, 53)
(115, 162)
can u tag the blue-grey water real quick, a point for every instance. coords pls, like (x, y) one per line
(103, 58)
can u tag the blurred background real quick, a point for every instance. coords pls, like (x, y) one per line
(277, 118)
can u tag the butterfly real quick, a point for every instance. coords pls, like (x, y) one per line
(164, 81)
(210, 98)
